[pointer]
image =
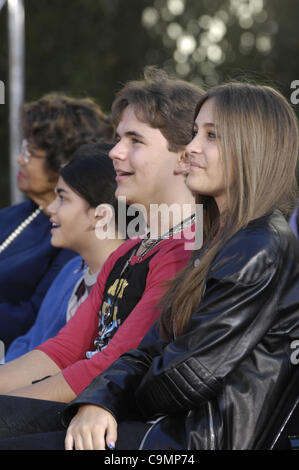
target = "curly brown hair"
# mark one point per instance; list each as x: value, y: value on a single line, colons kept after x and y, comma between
x: 60, y: 124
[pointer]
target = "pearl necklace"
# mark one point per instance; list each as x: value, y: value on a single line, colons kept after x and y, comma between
x: 19, y: 229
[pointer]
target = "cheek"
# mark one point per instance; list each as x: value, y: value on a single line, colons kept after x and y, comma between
x: 37, y: 179
x: 142, y: 160
x: 215, y: 164
x: 34, y: 182
x: 39, y: 176
x: 220, y: 169
x: 63, y: 212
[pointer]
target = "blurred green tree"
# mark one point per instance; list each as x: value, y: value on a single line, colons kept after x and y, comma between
x: 78, y: 47
x: 91, y: 47
x: 210, y: 41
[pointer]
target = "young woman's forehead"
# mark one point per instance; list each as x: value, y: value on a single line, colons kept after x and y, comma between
x: 206, y: 112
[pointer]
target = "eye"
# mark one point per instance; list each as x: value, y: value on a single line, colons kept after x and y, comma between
x: 211, y: 135
x: 135, y: 140
x: 194, y: 133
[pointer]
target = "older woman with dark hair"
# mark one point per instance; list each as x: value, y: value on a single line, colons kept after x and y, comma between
x: 53, y: 128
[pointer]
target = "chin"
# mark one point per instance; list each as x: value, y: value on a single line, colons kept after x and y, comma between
x: 22, y: 187
x: 123, y: 194
x: 55, y: 242
x: 194, y: 184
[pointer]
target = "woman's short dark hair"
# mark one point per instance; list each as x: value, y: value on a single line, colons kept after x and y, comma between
x: 59, y: 124
x: 91, y: 174
x: 163, y: 103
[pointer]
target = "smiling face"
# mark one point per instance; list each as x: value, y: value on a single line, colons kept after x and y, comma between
x: 206, y: 174
x: 71, y: 218
x: 144, y: 166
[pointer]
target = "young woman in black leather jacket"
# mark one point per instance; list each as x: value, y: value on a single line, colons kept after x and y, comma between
x: 211, y: 372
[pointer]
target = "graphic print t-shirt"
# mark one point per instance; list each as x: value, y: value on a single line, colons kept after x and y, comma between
x: 116, y: 306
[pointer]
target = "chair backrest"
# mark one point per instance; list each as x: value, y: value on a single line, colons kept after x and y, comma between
x: 282, y: 431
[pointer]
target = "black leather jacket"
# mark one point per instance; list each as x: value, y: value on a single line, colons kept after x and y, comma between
x: 216, y: 386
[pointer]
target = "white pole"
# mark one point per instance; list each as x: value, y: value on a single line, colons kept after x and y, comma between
x: 16, y: 39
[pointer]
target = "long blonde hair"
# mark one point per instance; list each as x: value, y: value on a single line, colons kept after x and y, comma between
x: 257, y: 134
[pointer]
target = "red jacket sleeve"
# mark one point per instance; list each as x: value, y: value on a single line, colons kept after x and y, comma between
x: 77, y: 336
x: 172, y: 257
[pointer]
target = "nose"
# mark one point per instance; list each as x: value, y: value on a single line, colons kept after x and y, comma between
x: 118, y: 151
x: 184, y: 163
x: 52, y: 207
x: 20, y: 159
x: 193, y: 148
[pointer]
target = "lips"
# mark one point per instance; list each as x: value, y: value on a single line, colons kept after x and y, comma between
x: 196, y: 165
x: 122, y: 174
x: 20, y: 175
x: 54, y: 225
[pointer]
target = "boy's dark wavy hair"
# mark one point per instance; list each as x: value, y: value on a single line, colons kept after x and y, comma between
x: 91, y: 174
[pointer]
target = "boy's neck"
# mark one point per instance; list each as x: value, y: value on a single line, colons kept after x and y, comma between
x: 164, y: 216
x: 98, y: 251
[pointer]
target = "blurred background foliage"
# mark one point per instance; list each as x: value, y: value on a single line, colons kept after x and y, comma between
x: 92, y: 47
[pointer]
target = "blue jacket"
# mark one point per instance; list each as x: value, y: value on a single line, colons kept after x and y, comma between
x: 52, y: 314
x: 27, y: 269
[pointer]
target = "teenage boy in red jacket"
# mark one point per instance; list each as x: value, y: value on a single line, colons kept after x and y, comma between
x: 154, y: 119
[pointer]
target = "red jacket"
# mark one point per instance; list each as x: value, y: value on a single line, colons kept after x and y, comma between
x: 68, y: 349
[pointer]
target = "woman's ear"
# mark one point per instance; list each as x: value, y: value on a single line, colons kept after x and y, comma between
x: 104, y: 221
x: 183, y: 164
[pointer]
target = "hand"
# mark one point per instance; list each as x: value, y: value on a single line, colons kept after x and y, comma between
x: 93, y: 428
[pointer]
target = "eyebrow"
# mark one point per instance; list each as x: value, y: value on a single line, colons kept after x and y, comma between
x: 131, y: 134
x: 206, y: 124
x: 59, y: 190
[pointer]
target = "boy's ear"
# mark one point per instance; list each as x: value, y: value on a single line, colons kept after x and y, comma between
x: 104, y: 223
x: 182, y: 165
x: 103, y: 214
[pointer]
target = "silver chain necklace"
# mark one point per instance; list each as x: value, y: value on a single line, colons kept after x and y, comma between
x: 147, y: 243
x: 19, y: 229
